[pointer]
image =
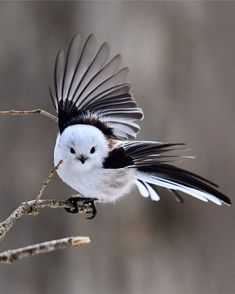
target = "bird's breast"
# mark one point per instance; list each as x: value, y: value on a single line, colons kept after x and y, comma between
x: 105, y: 184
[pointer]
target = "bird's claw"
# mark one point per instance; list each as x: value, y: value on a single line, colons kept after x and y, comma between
x: 92, y: 205
x: 84, y: 201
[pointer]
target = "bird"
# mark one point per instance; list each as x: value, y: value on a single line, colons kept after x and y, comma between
x: 98, y: 120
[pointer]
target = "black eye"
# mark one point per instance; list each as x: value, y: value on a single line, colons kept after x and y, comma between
x: 92, y: 150
x: 72, y: 150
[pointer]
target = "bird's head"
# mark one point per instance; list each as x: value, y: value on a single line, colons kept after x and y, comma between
x: 82, y: 146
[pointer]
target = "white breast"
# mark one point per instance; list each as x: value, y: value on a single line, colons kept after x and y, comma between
x: 105, y: 184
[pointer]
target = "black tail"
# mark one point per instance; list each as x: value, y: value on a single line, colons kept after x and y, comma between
x: 177, y: 179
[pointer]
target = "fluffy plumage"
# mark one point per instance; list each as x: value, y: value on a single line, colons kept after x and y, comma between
x: 97, y: 114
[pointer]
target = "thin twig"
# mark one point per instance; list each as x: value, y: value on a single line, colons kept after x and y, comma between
x: 29, y: 112
x: 28, y: 208
x: 32, y: 207
x: 47, y: 180
x: 10, y: 256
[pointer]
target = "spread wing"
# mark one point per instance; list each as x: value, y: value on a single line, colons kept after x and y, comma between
x: 151, y: 163
x: 90, y: 86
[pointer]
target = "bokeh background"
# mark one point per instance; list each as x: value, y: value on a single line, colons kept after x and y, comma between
x: 182, y: 61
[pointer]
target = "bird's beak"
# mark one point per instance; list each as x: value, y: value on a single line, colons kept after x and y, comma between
x: 82, y: 158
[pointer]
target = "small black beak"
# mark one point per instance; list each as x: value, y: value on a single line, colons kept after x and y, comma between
x: 82, y: 158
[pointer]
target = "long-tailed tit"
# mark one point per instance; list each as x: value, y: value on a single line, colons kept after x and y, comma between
x: 97, y: 118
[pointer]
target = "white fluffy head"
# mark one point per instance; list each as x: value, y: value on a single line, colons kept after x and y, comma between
x: 82, y: 147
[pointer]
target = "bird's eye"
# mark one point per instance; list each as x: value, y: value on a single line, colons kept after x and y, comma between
x: 92, y: 150
x: 72, y: 150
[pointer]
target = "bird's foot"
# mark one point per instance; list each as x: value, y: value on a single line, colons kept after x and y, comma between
x: 84, y: 201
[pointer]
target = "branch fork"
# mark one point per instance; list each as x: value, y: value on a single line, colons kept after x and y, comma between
x: 33, y: 207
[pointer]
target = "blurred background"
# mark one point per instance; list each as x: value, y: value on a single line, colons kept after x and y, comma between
x: 182, y: 61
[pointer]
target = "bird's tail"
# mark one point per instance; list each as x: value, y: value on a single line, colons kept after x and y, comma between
x: 176, y: 180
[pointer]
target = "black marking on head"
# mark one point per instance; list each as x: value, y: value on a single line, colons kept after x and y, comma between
x: 74, y: 118
x: 117, y: 158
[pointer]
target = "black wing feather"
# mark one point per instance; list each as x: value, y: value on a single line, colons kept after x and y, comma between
x: 148, y: 160
x: 172, y: 174
x: 88, y: 86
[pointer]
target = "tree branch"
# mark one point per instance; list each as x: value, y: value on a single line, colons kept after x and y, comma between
x: 29, y: 112
x: 10, y: 256
x: 29, y: 208
x: 32, y: 208
x: 47, y: 180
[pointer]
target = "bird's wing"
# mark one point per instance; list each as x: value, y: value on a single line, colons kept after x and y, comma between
x: 90, y: 85
x: 151, y: 163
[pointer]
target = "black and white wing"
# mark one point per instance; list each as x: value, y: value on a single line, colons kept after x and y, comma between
x: 90, y: 88
x: 151, y: 163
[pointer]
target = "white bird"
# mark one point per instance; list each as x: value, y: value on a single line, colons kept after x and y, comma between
x: 97, y: 117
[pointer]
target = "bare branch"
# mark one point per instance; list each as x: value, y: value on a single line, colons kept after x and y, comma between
x: 32, y: 208
x: 29, y: 112
x: 10, y: 256
x: 47, y: 180
x: 29, y: 208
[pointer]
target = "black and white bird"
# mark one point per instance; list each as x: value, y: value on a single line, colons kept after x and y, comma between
x: 97, y: 117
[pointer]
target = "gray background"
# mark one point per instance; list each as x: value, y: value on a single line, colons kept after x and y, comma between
x: 182, y: 61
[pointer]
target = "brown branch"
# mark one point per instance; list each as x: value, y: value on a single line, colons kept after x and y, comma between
x: 32, y: 208
x: 29, y: 112
x: 10, y: 256
x: 47, y: 180
x: 29, y: 208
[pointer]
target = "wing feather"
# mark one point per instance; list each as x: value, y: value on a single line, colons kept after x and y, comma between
x: 109, y: 94
x: 86, y: 57
x: 150, y: 162
x: 87, y: 84
x: 58, y: 75
x: 142, y: 189
x: 97, y: 83
x: 152, y: 193
x: 71, y: 63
